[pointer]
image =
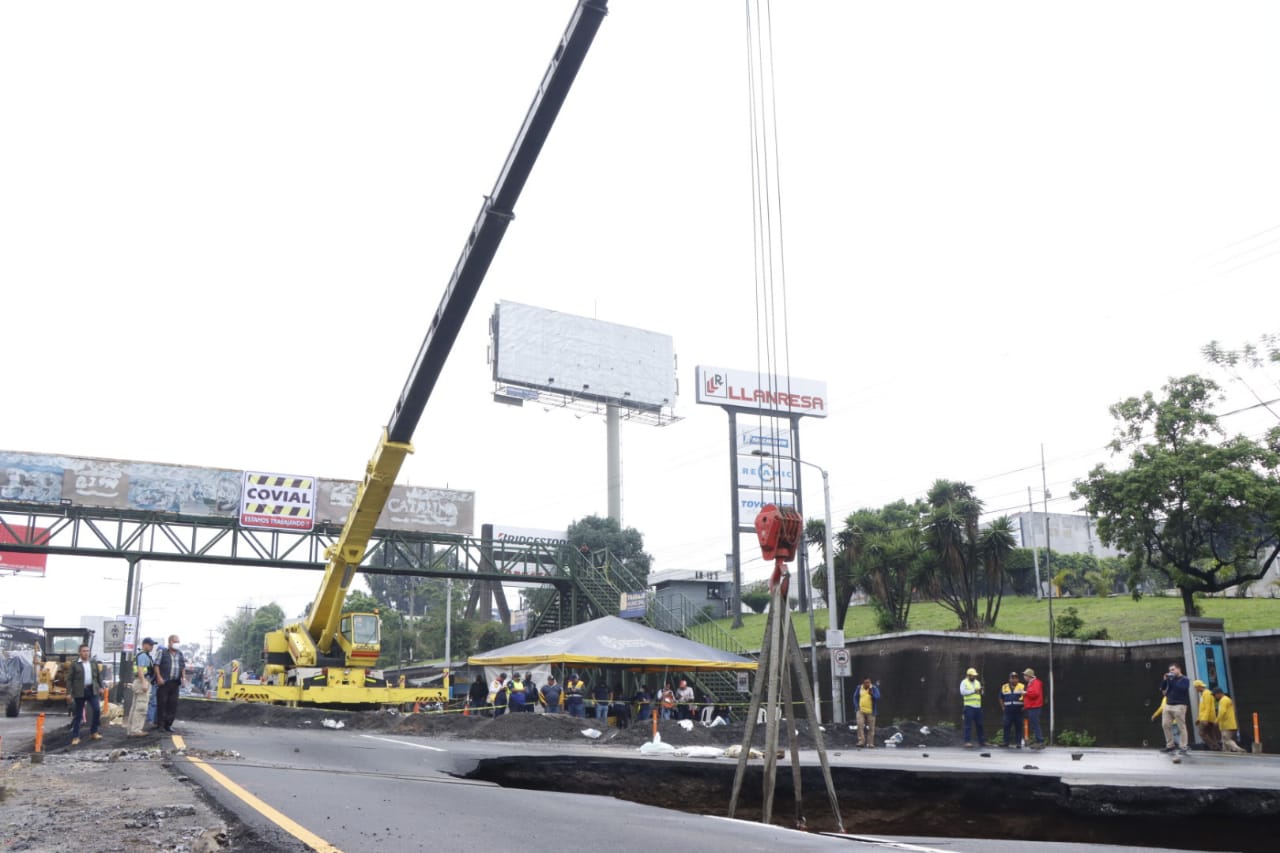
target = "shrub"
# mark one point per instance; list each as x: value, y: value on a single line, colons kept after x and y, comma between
x: 1066, y: 625
x: 1066, y: 737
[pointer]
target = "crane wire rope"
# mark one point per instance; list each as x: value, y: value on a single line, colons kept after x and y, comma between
x: 769, y: 260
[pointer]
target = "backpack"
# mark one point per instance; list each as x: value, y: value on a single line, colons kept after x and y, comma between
x: 145, y: 667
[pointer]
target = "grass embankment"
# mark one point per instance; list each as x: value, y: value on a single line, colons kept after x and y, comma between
x: 1150, y: 618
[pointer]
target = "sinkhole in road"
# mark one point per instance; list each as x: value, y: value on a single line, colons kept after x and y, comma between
x: 906, y: 802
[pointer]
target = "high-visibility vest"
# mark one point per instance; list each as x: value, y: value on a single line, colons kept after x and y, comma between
x: 974, y: 699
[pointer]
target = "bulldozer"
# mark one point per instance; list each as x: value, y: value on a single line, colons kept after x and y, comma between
x: 53, y: 650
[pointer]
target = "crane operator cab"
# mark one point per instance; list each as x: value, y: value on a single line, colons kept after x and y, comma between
x: 360, y: 637
x: 292, y: 657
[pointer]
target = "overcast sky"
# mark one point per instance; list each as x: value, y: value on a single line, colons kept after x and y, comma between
x: 224, y: 228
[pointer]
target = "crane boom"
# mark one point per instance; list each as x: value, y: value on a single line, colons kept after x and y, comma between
x: 310, y: 643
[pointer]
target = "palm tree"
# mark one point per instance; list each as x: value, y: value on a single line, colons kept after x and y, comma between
x: 952, y: 535
x: 888, y: 565
x: 995, y: 544
x: 845, y: 547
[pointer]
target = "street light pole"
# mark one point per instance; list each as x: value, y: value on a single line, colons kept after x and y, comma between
x: 837, y: 688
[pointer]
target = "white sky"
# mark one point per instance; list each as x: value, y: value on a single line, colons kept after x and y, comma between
x: 223, y: 228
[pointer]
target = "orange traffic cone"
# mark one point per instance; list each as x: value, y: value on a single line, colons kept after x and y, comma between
x: 466, y: 709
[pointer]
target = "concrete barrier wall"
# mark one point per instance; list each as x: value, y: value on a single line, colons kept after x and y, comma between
x: 1107, y: 688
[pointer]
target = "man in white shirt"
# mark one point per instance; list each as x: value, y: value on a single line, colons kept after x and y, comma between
x: 84, y: 686
x: 684, y: 696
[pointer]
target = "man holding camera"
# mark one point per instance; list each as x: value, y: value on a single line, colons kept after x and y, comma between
x: 1176, y: 688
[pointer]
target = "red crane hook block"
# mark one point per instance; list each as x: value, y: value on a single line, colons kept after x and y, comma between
x: 778, y: 529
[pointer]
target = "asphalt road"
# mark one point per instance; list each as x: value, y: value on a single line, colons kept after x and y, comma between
x: 362, y: 791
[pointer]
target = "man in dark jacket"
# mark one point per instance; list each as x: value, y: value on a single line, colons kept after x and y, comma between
x: 551, y: 695
x: 84, y: 686
x: 1176, y: 688
x: 1012, y: 695
x: 478, y: 695
x: 170, y: 669
x: 601, y: 694
x: 530, y: 693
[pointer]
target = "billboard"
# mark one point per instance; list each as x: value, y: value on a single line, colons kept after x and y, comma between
x: 749, y: 391
x: 39, y: 478
x: 414, y: 509
x: 751, y: 501
x: 278, y: 502
x: 767, y: 474
x: 581, y: 357
x: 773, y: 439
x: 504, y: 534
x: 15, y: 561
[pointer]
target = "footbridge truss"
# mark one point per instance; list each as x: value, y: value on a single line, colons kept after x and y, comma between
x: 135, y: 536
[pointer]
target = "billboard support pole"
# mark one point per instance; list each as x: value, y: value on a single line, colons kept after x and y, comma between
x: 614, y: 462
x: 736, y: 538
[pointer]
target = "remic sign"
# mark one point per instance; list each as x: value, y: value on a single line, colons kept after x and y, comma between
x: 753, y: 392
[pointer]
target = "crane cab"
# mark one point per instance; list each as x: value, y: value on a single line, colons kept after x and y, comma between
x: 360, y: 636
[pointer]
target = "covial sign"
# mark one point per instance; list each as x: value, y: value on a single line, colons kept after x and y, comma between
x: 278, y: 502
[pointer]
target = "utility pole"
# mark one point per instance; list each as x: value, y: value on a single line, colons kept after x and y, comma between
x: 1035, y: 550
x: 247, y: 609
x: 1048, y: 572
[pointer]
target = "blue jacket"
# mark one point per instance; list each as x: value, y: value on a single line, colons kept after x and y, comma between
x: 1177, y: 691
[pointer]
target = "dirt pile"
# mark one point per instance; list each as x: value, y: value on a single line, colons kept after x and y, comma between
x: 546, y: 728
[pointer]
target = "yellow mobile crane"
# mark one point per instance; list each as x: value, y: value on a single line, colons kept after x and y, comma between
x: 329, y: 657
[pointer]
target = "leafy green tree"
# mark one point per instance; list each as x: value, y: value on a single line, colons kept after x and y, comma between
x: 964, y: 557
x: 243, y: 633
x: 431, y: 627
x: 492, y: 635
x: 815, y: 533
x: 756, y: 596
x: 887, y: 554
x: 605, y: 538
x: 1021, y: 569
x: 1199, y: 508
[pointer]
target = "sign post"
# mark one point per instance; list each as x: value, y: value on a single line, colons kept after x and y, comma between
x: 113, y: 631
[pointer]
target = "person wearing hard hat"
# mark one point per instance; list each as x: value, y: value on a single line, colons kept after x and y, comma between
x: 1227, y: 725
x: 1011, y: 698
x: 1207, y: 717
x: 971, y: 696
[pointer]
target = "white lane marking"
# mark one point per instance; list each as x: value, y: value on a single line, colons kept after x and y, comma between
x: 405, y: 743
x: 868, y: 839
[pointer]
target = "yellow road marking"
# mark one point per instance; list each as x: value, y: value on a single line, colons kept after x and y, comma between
x: 280, y: 819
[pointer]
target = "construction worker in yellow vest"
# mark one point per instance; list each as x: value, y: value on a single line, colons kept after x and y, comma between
x: 971, y: 695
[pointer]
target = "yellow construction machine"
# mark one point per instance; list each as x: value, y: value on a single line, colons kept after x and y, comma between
x: 329, y: 657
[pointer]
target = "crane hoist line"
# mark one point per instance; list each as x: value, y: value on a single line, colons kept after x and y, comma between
x: 328, y: 657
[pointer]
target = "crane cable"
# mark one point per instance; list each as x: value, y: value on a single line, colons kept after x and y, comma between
x: 769, y: 263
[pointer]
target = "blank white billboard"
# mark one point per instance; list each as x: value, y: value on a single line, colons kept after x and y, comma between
x: 581, y: 357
